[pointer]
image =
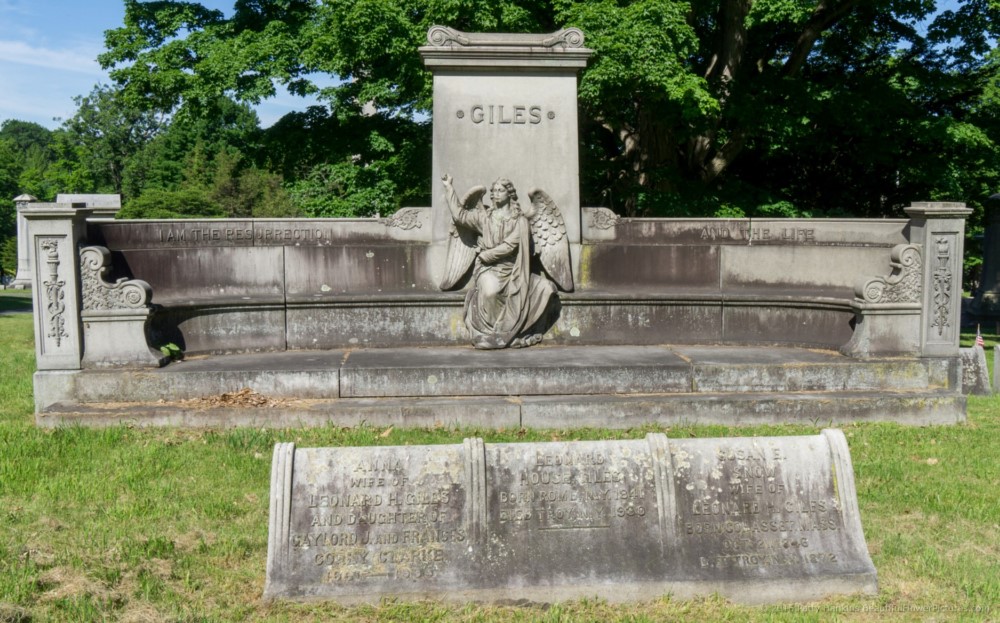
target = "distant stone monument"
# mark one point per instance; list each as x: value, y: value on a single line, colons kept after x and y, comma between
x: 975, y: 374
x: 102, y: 206
x: 22, y: 278
x: 986, y: 301
x: 757, y: 520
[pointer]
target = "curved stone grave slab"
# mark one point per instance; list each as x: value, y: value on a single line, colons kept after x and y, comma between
x: 763, y: 519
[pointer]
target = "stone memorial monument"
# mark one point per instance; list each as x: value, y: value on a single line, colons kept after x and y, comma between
x: 644, y: 320
x: 757, y: 520
x: 986, y: 299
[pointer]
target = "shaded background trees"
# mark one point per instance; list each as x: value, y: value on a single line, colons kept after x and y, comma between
x: 716, y: 108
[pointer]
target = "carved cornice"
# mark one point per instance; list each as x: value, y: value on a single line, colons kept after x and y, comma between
x: 439, y: 36
x: 449, y: 49
x: 902, y: 285
x: 443, y: 36
x: 99, y: 294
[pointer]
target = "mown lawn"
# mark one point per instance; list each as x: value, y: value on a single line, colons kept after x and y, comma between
x: 138, y: 525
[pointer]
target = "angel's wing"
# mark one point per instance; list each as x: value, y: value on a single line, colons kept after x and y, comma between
x: 548, y: 230
x: 462, y: 242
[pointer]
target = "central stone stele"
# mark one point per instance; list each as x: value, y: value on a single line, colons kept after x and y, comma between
x: 505, y: 117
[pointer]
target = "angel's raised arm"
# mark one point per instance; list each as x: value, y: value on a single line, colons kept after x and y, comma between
x: 451, y: 197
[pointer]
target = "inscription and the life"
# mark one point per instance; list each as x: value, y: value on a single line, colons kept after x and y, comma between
x: 762, y: 234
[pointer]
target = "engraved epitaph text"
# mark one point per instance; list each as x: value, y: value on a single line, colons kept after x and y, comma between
x: 630, y: 519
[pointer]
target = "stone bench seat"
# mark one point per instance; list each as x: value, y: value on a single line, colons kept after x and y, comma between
x: 268, y: 322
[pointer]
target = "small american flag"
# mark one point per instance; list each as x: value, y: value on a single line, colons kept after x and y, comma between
x: 979, y: 338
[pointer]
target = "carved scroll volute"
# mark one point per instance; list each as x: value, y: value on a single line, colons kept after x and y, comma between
x: 444, y: 36
x: 100, y: 294
x: 902, y: 285
x: 569, y: 37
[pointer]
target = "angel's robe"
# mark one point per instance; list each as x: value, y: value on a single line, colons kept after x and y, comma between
x: 506, y: 299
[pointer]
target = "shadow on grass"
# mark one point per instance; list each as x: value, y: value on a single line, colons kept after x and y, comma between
x: 15, y: 300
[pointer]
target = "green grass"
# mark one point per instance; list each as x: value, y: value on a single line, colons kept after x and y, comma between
x: 138, y: 525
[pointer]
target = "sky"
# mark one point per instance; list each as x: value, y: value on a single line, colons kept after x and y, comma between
x: 48, y: 52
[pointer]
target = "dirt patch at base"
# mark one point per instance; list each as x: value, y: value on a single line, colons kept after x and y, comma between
x: 245, y: 397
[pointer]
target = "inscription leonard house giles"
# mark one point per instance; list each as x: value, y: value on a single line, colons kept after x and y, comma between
x: 754, y: 519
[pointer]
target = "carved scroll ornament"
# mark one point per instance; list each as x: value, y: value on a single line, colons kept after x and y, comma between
x: 902, y: 285
x: 603, y: 218
x: 100, y: 294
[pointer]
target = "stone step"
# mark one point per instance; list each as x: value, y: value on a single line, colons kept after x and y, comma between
x: 539, y: 371
x: 921, y: 407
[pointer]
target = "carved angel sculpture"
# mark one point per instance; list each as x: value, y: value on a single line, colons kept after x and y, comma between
x: 510, y: 294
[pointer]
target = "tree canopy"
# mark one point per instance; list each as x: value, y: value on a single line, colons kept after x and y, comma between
x: 723, y: 107
x: 728, y: 106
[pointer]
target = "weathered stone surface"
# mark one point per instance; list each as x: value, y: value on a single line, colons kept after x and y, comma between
x: 754, y: 519
x: 620, y: 386
x: 113, y: 201
x: 452, y: 372
x: 374, y: 282
x: 600, y: 225
x: 54, y: 232
x: 975, y: 374
x: 996, y: 369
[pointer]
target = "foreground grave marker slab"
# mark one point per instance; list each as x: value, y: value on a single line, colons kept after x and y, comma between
x: 755, y: 519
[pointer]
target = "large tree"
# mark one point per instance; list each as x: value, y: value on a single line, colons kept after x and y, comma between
x: 725, y: 106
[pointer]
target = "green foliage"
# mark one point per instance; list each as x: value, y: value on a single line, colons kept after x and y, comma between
x: 172, y: 350
x: 765, y: 108
x: 181, y: 203
x: 344, y: 189
x: 10, y: 168
x: 245, y: 192
x: 8, y: 256
x: 105, y: 133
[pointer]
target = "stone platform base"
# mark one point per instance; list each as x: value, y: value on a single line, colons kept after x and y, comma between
x: 542, y: 387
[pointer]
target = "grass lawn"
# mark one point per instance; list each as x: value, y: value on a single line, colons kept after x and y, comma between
x: 138, y: 525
